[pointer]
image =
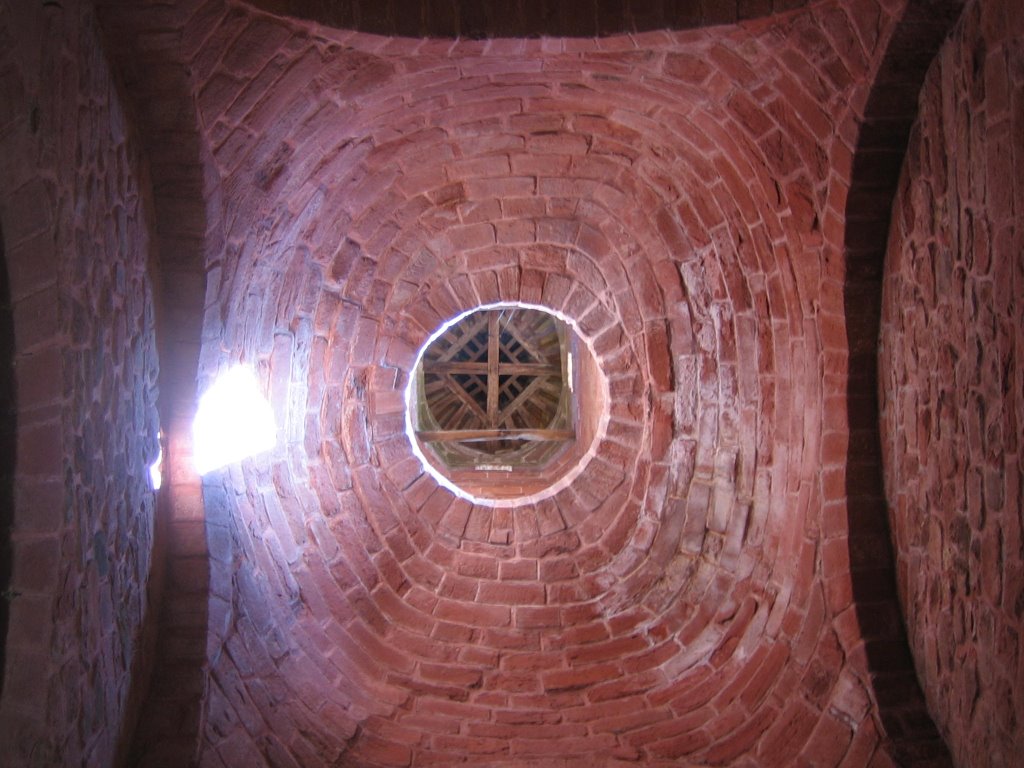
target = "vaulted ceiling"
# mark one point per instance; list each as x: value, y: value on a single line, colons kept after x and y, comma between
x: 703, y: 190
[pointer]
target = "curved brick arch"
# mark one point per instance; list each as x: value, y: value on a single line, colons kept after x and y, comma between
x: 678, y: 188
x: 29, y: 271
x: 150, y: 44
x: 889, y: 112
x: 8, y: 448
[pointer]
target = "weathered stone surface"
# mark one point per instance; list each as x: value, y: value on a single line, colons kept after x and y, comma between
x: 77, y: 251
x: 953, y: 392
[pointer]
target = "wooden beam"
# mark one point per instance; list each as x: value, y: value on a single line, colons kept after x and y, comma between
x: 493, y: 360
x: 507, y: 369
x: 481, y: 435
x: 467, y: 335
x: 527, y: 392
x: 527, y: 344
x: 457, y: 390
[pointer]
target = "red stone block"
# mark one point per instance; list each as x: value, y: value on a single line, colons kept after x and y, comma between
x: 473, y: 614
x: 31, y: 263
x: 607, y: 651
x: 36, y: 319
x: 38, y: 507
x: 518, y: 570
x: 785, y: 738
x: 751, y: 116
x: 658, y: 360
x: 461, y: 676
x: 515, y: 232
x: 30, y: 213
x: 689, y: 68
x: 381, y: 752
x: 511, y: 594
x: 36, y: 566
x: 531, y: 286
x: 529, y: 617
x: 400, y: 613
x: 576, y: 679
x: 743, y: 739
x: 679, y: 746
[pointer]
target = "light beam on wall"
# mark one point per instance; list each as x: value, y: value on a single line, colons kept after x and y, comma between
x: 234, y: 421
x: 156, y: 471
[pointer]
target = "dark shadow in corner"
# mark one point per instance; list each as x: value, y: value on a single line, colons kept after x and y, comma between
x: 474, y: 20
x: 8, y: 446
x: 878, y: 159
x: 165, y: 715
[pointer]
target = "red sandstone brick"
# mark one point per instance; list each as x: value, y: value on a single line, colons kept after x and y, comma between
x: 625, y: 687
x: 518, y: 570
x: 511, y: 594
x: 464, y: 745
x: 375, y: 749
x: 537, y: 747
x: 583, y: 677
x: 787, y: 735
x: 36, y: 319
x: 527, y: 617
x: 765, y: 675
x: 460, y: 676
x: 828, y: 743
x: 36, y: 565
x: 32, y: 262
x: 863, y: 746
x: 473, y: 614
x: 31, y: 212
x: 743, y: 739
x: 687, y: 67
x: 515, y: 231
x: 680, y: 745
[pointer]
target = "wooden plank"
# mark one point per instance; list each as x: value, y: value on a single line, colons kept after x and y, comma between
x: 493, y: 361
x: 527, y: 343
x: 466, y: 396
x: 478, y: 325
x: 456, y: 389
x: 507, y: 369
x: 527, y: 392
x: 481, y: 435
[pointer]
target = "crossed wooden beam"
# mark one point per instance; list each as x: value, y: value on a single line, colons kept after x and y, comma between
x: 472, y: 409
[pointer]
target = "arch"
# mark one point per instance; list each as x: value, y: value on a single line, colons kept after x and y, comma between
x: 889, y: 114
x: 8, y: 446
x: 29, y: 489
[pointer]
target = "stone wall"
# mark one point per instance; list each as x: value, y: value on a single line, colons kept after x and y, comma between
x: 952, y: 386
x: 76, y: 243
x: 8, y: 440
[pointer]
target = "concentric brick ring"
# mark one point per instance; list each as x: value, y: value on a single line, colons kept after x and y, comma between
x: 524, y: 477
x: 663, y: 604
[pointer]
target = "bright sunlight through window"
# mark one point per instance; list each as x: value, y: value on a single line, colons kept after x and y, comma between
x: 234, y: 421
x: 156, y: 471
